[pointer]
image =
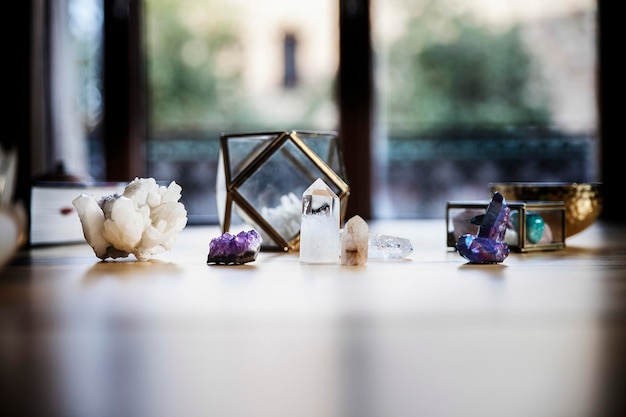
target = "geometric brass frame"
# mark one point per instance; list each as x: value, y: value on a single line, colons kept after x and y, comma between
x: 236, y: 177
x: 557, y: 208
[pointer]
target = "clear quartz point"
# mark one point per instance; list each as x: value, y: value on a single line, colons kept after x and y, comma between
x: 319, y: 226
x: 388, y: 247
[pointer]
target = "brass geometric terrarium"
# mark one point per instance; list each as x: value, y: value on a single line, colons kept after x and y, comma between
x: 261, y: 177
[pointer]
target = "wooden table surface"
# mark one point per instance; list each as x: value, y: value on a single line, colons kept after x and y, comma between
x: 541, y: 335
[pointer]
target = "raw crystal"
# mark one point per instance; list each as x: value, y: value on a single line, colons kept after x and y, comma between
x: 229, y: 249
x: 320, y: 225
x: 489, y: 245
x: 354, y: 242
x: 535, y: 226
x: 144, y: 220
x: 388, y: 247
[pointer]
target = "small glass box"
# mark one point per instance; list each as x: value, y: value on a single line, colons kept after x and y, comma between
x: 261, y: 177
x: 533, y: 226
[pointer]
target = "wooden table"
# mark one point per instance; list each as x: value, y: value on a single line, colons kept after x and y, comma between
x: 541, y: 335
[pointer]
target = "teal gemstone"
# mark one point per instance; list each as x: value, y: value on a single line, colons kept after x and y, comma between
x: 534, y: 226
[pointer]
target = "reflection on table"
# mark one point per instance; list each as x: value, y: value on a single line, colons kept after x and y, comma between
x: 542, y: 334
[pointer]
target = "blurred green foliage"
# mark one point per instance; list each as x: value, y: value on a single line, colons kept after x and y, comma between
x: 193, y: 68
x: 443, y: 71
x: 447, y: 71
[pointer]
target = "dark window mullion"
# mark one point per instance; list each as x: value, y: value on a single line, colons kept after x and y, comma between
x: 355, y: 102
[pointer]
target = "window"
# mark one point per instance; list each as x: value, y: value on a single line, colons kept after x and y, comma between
x: 85, y: 18
x: 244, y: 65
x: 464, y: 93
x: 483, y: 91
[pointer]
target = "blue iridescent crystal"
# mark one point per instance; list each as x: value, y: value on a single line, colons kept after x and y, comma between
x: 488, y: 247
x: 229, y: 249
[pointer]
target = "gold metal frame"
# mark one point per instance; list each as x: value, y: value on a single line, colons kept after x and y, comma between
x: 236, y: 177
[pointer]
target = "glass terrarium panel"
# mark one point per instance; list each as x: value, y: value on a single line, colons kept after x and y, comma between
x: 268, y: 172
x: 298, y: 161
x: 531, y: 227
x: 240, y: 221
x: 543, y: 226
x: 243, y: 150
x: 327, y: 147
x: 275, y: 188
x: 220, y: 188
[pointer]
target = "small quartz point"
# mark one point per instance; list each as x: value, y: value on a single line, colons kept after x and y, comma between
x: 388, y: 247
x: 354, y: 242
x: 229, y: 249
x: 489, y: 246
x: 320, y: 225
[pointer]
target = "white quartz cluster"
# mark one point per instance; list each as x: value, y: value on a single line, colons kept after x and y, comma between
x: 143, y: 221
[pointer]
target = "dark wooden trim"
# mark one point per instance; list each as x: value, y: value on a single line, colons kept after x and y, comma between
x: 124, y: 124
x: 610, y: 99
x: 18, y: 129
x: 355, y: 102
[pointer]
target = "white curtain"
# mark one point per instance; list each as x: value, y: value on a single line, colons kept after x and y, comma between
x: 58, y: 135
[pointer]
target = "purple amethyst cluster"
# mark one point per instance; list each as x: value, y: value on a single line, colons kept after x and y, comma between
x: 229, y: 249
x: 488, y: 247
